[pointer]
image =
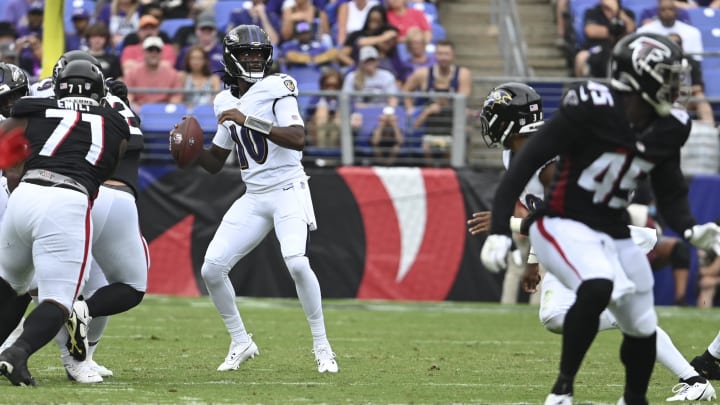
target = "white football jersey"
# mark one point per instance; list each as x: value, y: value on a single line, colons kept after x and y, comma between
x: 534, y: 186
x: 265, y: 165
x: 43, y: 88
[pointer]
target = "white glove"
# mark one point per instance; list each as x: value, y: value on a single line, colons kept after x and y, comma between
x: 494, y: 252
x: 705, y: 236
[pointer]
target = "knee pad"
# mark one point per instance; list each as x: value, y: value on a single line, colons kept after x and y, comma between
x: 213, y: 273
x: 645, y: 325
x: 680, y: 256
x: 553, y: 323
x: 297, y: 265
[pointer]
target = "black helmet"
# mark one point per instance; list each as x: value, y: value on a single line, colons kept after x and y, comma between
x: 13, y: 85
x: 80, y: 79
x: 238, y: 44
x: 651, y: 65
x: 510, y: 108
x: 70, y: 56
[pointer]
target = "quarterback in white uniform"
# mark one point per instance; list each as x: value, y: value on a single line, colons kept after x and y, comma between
x: 504, y: 111
x: 258, y: 117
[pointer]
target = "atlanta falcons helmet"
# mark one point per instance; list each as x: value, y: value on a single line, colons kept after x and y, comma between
x: 70, y: 56
x: 651, y: 65
x: 508, y: 109
x: 80, y: 79
x: 247, y: 53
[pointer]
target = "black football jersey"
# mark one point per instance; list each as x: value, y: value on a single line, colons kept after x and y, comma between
x: 78, y: 141
x: 601, y: 159
x: 127, y: 170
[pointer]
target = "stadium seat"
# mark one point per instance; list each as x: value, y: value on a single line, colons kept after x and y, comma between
x: 438, y: 32
x: 308, y: 80
x: 551, y: 93
x: 370, y: 117
x: 637, y: 6
x: 160, y: 117
x: 429, y: 9
x: 704, y: 18
x: 205, y: 115
x: 170, y: 27
x: 223, y: 10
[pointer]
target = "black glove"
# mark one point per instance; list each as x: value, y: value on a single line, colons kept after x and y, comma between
x: 118, y: 89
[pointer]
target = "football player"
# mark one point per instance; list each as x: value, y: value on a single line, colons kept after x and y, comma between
x: 606, y: 139
x: 75, y: 145
x: 515, y: 111
x: 258, y: 116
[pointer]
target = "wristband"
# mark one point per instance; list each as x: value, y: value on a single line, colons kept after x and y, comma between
x: 532, y: 259
x: 515, y: 224
x: 258, y: 124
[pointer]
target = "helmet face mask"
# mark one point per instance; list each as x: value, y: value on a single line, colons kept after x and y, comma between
x: 247, y: 53
x: 510, y: 108
x: 13, y: 85
x: 652, y: 66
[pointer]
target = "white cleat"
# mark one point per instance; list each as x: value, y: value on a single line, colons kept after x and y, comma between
x: 555, y: 399
x: 325, y: 359
x: 77, y: 326
x: 100, y: 369
x: 238, y: 354
x: 700, y: 391
x: 81, y: 371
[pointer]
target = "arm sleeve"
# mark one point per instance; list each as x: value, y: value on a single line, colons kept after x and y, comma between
x: 222, y: 138
x: 552, y: 139
x: 287, y: 112
x: 671, y: 192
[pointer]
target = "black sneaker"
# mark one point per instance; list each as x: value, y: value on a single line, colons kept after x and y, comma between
x: 707, y: 366
x: 13, y: 365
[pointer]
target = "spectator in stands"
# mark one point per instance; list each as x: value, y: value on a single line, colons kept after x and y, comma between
x: 153, y: 74
x: 324, y: 122
x: 304, y: 10
x: 173, y: 9
x: 133, y: 55
x: 650, y: 14
x: 368, y: 77
x: 390, y: 59
x: 16, y: 11
x: 196, y: 76
x: 34, y: 23
x: 387, y: 137
x: 121, y: 17
x: 667, y: 23
x: 417, y: 55
x: 376, y: 30
x: 257, y: 14
x: 699, y: 103
x: 561, y: 11
x: 433, y: 117
x: 30, y: 55
x: 403, y: 18
x: 303, y: 50
x: 8, y: 53
x: 150, y: 20
x: 603, y: 25
x: 98, y: 40
x: 81, y: 22
x: 351, y: 16
x: 206, y: 37
x: 709, y: 278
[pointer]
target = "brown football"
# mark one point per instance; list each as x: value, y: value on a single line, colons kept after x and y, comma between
x: 186, y: 141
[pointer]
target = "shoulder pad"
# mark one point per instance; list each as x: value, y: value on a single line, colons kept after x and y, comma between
x: 590, y: 94
x: 43, y: 88
x: 280, y: 85
x: 30, y: 105
x: 224, y: 101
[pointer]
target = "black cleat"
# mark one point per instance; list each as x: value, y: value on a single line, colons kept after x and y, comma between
x: 77, y: 326
x: 707, y: 366
x: 13, y: 365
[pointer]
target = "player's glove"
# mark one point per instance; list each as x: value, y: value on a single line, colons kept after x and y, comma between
x: 494, y: 252
x: 119, y: 89
x: 14, y: 148
x: 705, y: 236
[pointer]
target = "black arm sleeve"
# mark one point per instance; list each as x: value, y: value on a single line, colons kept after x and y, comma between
x: 552, y: 139
x: 671, y: 192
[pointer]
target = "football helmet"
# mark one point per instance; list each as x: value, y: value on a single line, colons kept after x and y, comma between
x: 82, y: 81
x: 70, y: 56
x: 247, y: 53
x: 13, y: 85
x: 651, y: 65
x: 510, y: 108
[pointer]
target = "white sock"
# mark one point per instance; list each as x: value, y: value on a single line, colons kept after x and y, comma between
x: 669, y: 356
x: 714, y: 347
x: 222, y: 294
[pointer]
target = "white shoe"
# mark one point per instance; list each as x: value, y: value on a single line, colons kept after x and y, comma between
x: 102, y: 370
x: 81, y: 371
x: 325, y: 359
x: 554, y: 399
x: 77, y: 326
x: 238, y: 353
x: 700, y: 391
x: 13, y: 336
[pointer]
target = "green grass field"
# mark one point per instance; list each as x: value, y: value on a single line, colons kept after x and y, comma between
x: 166, y: 351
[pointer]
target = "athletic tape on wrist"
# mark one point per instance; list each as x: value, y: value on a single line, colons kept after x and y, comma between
x: 258, y: 124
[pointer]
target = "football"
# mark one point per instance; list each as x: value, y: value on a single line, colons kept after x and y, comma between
x: 186, y: 141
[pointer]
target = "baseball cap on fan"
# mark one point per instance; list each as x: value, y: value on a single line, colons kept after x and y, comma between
x: 153, y: 41
x: 206, y: 19
x: 368, y: 52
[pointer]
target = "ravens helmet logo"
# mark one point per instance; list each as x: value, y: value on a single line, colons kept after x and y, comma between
x: 497, y: 97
